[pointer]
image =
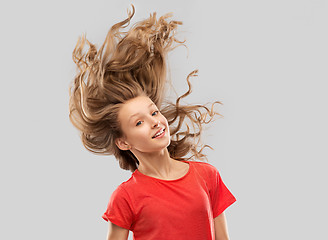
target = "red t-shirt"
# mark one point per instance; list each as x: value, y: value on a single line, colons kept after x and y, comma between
x: 184, y: 208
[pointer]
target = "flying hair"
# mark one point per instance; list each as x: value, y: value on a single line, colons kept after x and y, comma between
x: 127, y: 65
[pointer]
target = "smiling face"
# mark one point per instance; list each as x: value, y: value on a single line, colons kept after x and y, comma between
x: 140, y: 120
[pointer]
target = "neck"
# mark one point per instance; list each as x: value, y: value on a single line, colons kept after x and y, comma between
x: 156, y: 164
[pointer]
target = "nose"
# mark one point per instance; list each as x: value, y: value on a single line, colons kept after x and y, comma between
x: 157, y: 124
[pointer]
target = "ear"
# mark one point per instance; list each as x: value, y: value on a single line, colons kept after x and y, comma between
x: 122, y: 144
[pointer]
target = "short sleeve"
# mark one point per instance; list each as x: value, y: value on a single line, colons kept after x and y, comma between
x: 221, y: 197
x: 119, y: 209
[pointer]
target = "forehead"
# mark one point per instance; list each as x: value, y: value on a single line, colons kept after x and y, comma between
x: 137, y: 101
x: 135, y: 106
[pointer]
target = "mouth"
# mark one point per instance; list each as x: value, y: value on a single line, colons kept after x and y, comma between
x: 160, y: 133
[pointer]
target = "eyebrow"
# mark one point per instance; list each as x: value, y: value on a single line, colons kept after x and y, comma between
x: 139, y: 113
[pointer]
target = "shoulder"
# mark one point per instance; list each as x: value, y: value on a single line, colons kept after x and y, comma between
x: 126, y: 187
x: 122, y: 197
x: 205, y: 170
x: 205, y: 167
x: 120, y: 192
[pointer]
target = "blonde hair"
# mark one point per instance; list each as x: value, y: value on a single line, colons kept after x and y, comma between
x: 127, y: 65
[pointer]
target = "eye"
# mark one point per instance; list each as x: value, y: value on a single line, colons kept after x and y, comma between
x: 152, y: 115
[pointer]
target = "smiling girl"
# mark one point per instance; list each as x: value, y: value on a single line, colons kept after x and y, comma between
x: 117, y: 101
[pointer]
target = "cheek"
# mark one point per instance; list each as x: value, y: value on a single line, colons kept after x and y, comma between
x: 130, y: 133
x: 164, y: 120
x: 140, y: 132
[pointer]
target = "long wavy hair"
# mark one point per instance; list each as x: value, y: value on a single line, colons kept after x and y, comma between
x: 127, y: 65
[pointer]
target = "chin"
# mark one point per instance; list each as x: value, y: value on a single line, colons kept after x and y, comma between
x: 169, y: 142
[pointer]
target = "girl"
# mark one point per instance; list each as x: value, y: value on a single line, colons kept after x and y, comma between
x: 117, y: 101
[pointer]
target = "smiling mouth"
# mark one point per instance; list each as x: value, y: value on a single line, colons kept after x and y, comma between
x: 157, y: 135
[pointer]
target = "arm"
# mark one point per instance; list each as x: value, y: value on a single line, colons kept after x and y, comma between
x: 116, y: 232
x: 221, y: 228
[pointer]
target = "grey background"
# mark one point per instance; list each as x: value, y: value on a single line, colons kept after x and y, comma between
x: 265, y: 60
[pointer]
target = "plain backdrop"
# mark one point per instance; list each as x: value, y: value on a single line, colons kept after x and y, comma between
x: 266, y: 61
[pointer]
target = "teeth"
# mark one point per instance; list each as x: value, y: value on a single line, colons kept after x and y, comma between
x: 159, y: 133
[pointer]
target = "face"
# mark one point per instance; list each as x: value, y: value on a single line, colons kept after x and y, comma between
x: 140, y: 120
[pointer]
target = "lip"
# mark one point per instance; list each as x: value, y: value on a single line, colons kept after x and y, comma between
x: 159, y: 131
